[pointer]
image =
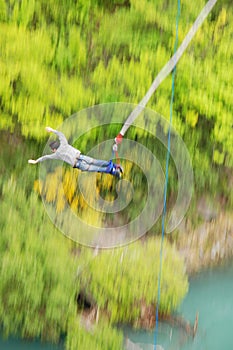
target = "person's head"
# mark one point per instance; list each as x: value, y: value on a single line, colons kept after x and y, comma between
x: 54, y: 145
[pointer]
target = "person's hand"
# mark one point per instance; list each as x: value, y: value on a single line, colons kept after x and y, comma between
x: 49, y: 129
x: 32, y: 161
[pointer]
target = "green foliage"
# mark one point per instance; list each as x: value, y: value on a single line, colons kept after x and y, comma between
x: 101, y: 336
x: 40, y: 279
x: 59, y: 57
x: 31, y: 92
x: 56, y: 58
x: 37, y: 272
x: 122, y: 280
x: 67, y: 52
x: 3, y: 10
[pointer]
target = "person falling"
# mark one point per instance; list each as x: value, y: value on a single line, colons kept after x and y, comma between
x: 63, y: 151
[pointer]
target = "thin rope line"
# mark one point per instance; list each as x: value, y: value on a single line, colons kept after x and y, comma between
x: 166, y: 182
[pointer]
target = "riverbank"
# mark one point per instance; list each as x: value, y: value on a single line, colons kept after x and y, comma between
x: 209, y: 244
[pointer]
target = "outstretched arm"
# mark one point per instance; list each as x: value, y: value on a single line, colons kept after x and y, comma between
x: 62, y: 140
x: 41, y: 159
x: 61, y: 136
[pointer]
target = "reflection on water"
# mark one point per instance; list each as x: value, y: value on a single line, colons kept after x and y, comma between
x: 210, y: 294
x: 129, y: 345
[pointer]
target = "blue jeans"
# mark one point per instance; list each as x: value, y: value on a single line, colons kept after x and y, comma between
x: 86, y: 163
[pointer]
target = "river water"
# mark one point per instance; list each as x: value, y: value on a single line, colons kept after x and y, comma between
x: 210, y: 294
x: 17, y: 344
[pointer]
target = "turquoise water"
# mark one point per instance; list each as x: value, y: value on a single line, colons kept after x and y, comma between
x: 16, y: 344
x: 210, y: 294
